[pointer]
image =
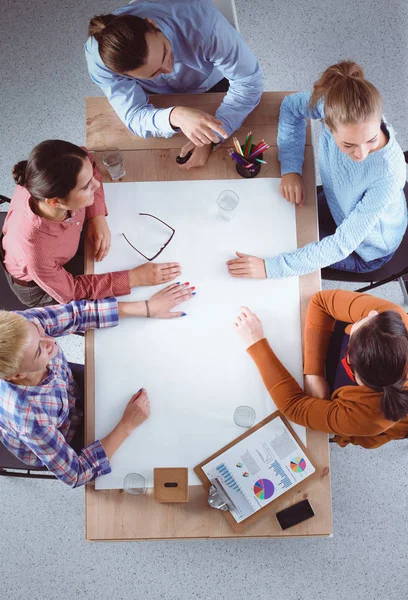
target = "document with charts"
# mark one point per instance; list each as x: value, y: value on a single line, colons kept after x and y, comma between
x: 259, y: 468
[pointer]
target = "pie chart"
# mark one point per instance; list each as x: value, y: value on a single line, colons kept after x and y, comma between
x: 298, y: 464
x: 264, y: 489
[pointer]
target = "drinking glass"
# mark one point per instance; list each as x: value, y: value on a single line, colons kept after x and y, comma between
x: 112, y: 158
x: 244, y: 416
x: 134, y: 484
x: 227, y: 201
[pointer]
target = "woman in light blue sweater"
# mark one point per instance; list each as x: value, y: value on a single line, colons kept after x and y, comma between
x: 362, y: 209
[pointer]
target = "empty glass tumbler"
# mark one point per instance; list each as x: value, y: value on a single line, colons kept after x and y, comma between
x: 244, y: 416
x: 227, y: 202
x: 134, y: 484
x: 112, y: 158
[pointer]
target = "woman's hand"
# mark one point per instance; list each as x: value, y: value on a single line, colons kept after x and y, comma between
x: 198, y: 157
x: 200, y: 127
x: 154, y: 273
x: 98, y: 233
x: 249, y: 327
x: 292, y: 188
x: 136, y: 412
x: 160, y: 304
x: 247, y: 266
x: 317, y: 387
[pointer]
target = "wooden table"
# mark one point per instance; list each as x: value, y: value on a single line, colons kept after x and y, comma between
x: 113, y: 514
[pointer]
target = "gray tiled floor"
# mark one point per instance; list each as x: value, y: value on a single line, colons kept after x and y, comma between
x: 42, y: 551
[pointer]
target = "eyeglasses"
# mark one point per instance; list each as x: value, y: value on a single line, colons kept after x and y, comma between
x: 164, y: 245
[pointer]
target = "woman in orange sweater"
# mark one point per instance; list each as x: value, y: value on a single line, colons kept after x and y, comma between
x: 367, y: 404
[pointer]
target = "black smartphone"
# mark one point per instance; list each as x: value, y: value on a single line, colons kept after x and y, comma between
x: 295, y: 514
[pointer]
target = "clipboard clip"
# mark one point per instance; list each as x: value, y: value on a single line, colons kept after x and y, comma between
x: 218, y: 497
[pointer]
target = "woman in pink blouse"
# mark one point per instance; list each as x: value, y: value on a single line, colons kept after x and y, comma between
x: 58, y: 189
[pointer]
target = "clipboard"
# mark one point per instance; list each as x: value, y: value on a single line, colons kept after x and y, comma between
x: 198, y: 470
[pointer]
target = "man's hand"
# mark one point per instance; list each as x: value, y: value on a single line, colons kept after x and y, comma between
x: 200, y: 127
x: 317, y: 387
x: 247, y: 266
x: 292, y: 188
x: 198, y: 158
x: 249, y: 327
x: 98, y: 233
x: 154, y: 273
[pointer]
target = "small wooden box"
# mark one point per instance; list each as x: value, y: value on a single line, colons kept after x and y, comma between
x: 171, y: 484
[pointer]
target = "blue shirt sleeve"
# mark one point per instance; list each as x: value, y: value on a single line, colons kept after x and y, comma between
x: 347, y: 237
x: 292, y: 130
x: 221, y: 46
x: 228, y: 52
x: 79, y: 315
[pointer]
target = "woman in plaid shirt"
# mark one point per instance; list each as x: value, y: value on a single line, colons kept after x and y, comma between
x: 39, y: 398
x: 58, y: 189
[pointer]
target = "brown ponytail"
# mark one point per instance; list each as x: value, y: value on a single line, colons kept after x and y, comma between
x: 378, y: 354
x: 121, y: 40
x: 19, y: 172
x: 348, y: 97
x: 97, y: 24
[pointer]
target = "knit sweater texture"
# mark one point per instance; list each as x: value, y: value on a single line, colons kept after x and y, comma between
x: 366, y: 199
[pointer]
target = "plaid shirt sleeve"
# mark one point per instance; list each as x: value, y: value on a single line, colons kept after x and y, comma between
x: 79, y: 315
x: 48, y: 443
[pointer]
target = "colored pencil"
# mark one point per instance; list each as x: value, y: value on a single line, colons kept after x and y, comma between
x: 240, y: 159
x: 239, y: 147
x: 261, y: 143
x: 257, y: 152
x: 246, y: 155
x: 259, y: 146
x: 236, y: 145
x: 248, y: 144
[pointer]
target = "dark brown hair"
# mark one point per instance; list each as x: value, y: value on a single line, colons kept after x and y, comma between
x: 51, y: 170
x: 378, y: 354
x: 121, y: 40
x: 348, y: 96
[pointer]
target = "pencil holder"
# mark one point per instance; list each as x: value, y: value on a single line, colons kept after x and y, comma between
x: 252, y: 171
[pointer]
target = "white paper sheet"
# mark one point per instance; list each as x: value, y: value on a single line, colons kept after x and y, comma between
x: 195, y: 369
x: 260, y: 468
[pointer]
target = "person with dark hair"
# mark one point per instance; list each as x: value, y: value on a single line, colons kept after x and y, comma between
x: 362, y: 207
x: 366, y: 402
x: 178, y: 47
x: 58, y: 189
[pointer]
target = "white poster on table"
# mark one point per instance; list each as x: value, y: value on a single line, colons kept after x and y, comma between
x: 195, y: 368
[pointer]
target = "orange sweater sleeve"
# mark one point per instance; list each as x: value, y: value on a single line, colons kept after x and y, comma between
x: 343, y: 416
x: 325, y: 308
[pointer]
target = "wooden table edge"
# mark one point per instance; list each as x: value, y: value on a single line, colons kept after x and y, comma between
x: 312, y: 282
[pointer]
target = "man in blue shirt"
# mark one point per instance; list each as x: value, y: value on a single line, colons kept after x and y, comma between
x: 173, y: 48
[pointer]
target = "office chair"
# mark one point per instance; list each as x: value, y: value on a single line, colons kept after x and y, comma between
x: 10, y: 466
x: 393, y: 270
x: 8, y: 300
